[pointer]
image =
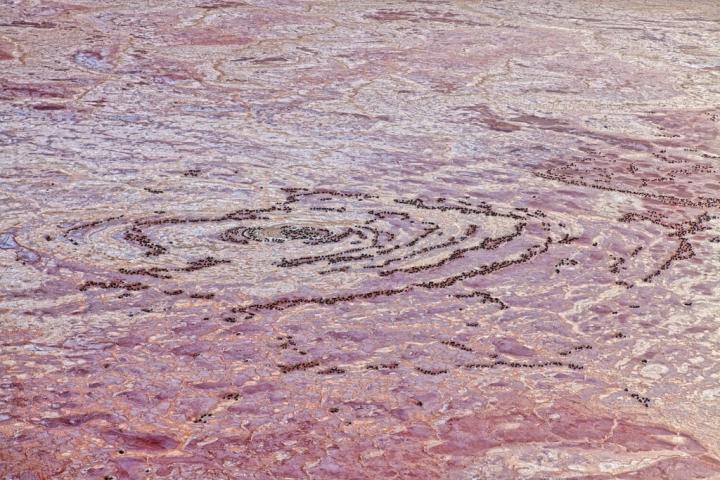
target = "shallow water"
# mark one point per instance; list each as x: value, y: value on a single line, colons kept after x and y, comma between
x: 330, y: 240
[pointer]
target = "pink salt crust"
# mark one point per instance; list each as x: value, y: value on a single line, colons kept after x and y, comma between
x: 359, y: 239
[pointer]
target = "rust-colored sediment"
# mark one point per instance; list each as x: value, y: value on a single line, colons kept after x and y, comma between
x: 359, y: 240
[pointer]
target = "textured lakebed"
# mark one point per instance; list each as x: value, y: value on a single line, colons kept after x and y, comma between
x: 349, y: 240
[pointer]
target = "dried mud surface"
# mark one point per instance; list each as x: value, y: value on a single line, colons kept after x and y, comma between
x: 359, y: 240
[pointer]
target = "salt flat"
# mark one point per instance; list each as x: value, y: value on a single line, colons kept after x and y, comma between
x: 359, y: 240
